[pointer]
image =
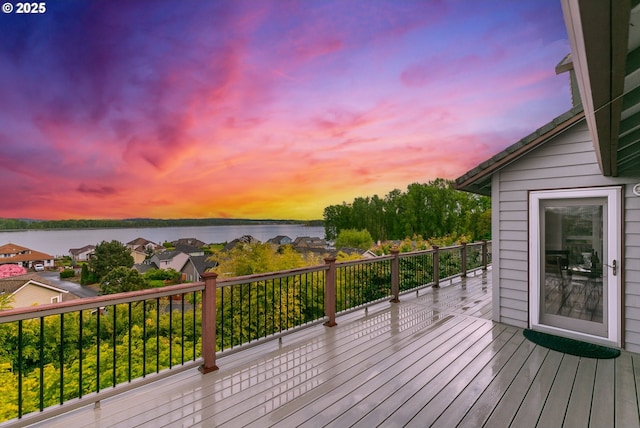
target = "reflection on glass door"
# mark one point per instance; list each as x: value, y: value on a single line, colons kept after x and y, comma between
x: 574, y: 244
x: 573, y: 292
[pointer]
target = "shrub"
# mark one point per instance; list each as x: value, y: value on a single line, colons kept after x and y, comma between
x: 67, y: 273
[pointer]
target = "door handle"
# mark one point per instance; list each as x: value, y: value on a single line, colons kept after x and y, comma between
x: 613, y: 266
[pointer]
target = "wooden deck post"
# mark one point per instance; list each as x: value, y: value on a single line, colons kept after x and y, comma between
x: 484, y: 254
x: 330, y: 292
x: 463, y: 259
x: 395, y: 276
x: 209, y: 323
x: 436, y: 267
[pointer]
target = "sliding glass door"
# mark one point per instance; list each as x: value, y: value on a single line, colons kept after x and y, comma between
x: 574, y: 245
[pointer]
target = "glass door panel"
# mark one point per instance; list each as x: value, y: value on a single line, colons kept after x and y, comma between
x: 573, y: 291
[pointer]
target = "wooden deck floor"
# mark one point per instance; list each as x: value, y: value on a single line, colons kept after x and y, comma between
x: 433, y: 360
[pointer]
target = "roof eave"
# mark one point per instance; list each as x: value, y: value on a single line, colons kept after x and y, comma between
x: 599, y: 53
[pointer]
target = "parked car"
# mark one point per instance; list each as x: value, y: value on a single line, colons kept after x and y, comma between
x: 38, y: 267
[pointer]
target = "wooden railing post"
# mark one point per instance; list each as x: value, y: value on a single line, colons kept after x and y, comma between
x: 484, y: 254
x: 395, y: 276
x: 463, y: 259
x: 330, y: 292
x: 436, y: 267
x: 209, y: 323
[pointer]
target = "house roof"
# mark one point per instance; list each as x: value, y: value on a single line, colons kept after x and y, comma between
x: 76, y: 251
x: 21, y: 254
x: 202, y: 263
x: 189, y: 241
x: 605, y: 47
x: 168, y: 255
x: 478, y: 179
x: 13, y: 283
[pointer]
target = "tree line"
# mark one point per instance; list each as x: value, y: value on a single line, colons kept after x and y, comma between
x: 22, y: 224
x: 434, y: 209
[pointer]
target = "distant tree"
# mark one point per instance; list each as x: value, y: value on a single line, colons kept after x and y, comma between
x: 122, y: 279
x: 247, y: 259
x: 108, y: 256
x: 352, y: 238
x: 434, y: 209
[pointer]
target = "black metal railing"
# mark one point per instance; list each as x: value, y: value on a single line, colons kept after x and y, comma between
x: 60, y: 356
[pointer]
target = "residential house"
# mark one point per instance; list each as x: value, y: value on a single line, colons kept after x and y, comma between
x: 82, y: 254
x: 23, y: 256
x: 193, y: 242
x: 311, y: 244
x: 245, y: 239
x: 566, y: 198
x: 30, y: 289
x: 138, y: 254
x: 280, y: 240
x: 141, y: 248
x: 169, y: 260
x: 197, y: 265
x: 143, y: 245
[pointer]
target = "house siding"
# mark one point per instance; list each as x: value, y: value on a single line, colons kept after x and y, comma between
x: 565, y: 161
x: 32, y: 295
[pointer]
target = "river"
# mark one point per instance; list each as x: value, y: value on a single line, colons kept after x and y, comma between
x: 58, y: 242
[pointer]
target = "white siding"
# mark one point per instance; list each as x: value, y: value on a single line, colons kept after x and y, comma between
x: 566, y: 161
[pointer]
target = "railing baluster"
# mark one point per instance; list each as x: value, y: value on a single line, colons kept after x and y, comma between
x: 41, y: 364
x: 20, y: 363
x: 170, y: 331
x: 98, y: 349
x: 182, y: 328
x: 61, y: 358
x: 114, y: 345
x: 157, y: 335
x: 129, y: 356
x: 144, y: 338
x: 80, y: 324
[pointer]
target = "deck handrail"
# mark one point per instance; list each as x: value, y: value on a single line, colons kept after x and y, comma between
x: 253, y: 302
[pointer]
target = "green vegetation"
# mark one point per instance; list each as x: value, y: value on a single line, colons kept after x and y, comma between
x: 434, y: 209
x: 248, y: 259
x: 352, y: 238
x: 108, y: 256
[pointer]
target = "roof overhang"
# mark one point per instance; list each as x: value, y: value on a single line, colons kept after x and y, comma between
x: 605, y: 40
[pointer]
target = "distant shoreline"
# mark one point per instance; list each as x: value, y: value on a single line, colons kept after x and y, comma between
x: 16, y: 225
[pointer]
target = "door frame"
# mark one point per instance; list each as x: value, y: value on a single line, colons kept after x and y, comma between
x: 614, y: 233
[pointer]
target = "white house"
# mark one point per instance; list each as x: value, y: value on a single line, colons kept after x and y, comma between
x: 566, y: 199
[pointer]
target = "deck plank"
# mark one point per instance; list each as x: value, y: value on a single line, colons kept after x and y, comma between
x: 509, y: 356
x: 538, y: 393
x: 603, y: 403
x: 417, y: 380
x: 555, y: 407
x: 579, y: 408
x: 508, y: 382
x: 332, y: 403
x: 626, y: 397
x: 441, y: 399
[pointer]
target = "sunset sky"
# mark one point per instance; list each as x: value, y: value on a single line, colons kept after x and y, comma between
x: 262, y: 109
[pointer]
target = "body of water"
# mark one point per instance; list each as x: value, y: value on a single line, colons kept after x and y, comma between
x: 58, y: 242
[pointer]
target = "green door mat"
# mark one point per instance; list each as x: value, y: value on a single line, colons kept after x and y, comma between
x: 570, y: 346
